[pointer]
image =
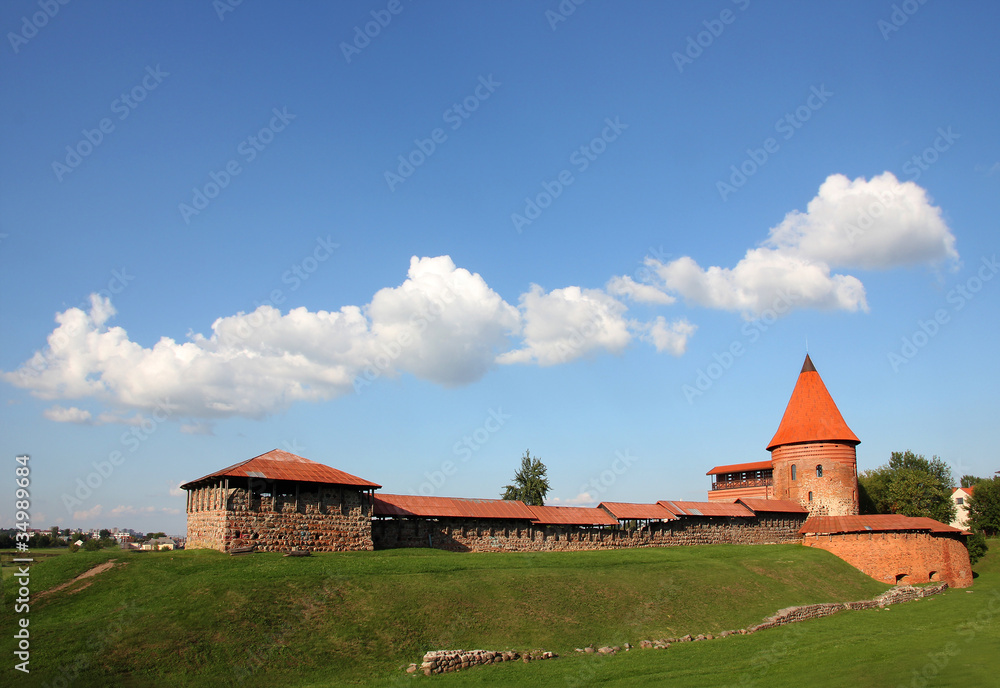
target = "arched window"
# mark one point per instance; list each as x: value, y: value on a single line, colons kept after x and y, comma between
x: 793, y: 471
x: 810, y: 496
x: 819, y: 470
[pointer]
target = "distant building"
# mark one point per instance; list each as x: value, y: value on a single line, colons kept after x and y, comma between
x: 960, y: 497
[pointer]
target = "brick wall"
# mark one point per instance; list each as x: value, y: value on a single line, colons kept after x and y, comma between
x: 901, y: 557
x: 833, y: 494
x: 468, y: 535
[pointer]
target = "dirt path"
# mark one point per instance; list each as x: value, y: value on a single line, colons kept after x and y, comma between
x: 100, y: 568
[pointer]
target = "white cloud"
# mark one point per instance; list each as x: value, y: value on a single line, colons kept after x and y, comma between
x: 882, y: 223
x: 198, y: 428
x: 637, y: 291
x: 72, y: 414
x: 443, y: 324
x: 125, y: 510
x: 90, y: 513
x: 669, y: 337
x: 174, y: 489
x: 565, y: 324
x: 582, y: 499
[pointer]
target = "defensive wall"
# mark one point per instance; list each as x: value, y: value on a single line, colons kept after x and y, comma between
x: 500, y: 535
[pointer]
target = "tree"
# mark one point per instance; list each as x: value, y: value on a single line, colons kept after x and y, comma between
x: 910, y: 485
x: 970, y: 480
x: 976, y: 545
x: 104, y: 534
x: 530, y: 484
x: 153, y: 536
x: 984, y: 507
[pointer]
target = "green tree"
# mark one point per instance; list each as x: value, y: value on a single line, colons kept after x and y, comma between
x: 976, y: 545
x: 153, y: 536
x: 970, y: 480
x: 104, y: 533
x: 984, y: 507
x: 92, y: 545
x: 530, y: 484
x: 910, y: 485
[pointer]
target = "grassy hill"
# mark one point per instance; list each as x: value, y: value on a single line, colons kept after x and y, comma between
x: 203, y: 618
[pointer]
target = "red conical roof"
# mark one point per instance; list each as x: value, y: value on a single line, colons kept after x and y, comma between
x: 811, y: 414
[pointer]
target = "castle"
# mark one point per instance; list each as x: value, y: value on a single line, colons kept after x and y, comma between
x: 807, y: 494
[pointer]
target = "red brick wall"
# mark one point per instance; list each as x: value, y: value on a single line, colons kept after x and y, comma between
x: 917, y: 557
x: 835, y: 494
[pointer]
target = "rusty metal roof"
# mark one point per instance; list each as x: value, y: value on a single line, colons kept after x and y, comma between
x: 281, y: 465
x: 449, y: 507
x: 705, y: 508
x: 873, y: 522
x: 741, y: 467
x: 811, y: 414
x: 624, y: 511
x: 756, y: 504
x: 572, y: 516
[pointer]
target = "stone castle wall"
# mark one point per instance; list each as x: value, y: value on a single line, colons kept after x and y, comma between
x: 490, y: 535
x: 833, y: 494
x: 901, y: 557
x: 327, y: 519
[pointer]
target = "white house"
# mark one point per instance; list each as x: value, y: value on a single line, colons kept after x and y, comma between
x: 960, y: 496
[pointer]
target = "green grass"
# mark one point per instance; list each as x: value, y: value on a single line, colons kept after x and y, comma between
x: 203, y: 618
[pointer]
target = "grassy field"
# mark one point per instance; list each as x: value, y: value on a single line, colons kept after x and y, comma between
x: 203, y: 618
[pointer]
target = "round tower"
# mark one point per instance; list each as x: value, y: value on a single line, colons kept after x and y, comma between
x: 813, y: 452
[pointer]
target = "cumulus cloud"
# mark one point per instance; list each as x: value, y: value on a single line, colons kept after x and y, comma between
x: 878, y: 224
x: 565, y: 324
x: 90, y: 513
x: 174, y: 489
x: 582, y: 499
x: 72, y: 414
x: 672, y: 337
x: 638, y: 291
x: 124, y: 510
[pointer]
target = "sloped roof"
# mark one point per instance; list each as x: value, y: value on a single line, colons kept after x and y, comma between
x: 966, y: 490
x: 811, y: 414
x: 572, y: 516
x: 281, y: 465
x: 741, y: 467
x: 784, y: 506
x: 873, y: 522
x: 624, y: 511
x: 449, y: 507
x: 705, y: 508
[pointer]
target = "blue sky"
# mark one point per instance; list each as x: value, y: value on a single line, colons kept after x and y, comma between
x: 413, y: 239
